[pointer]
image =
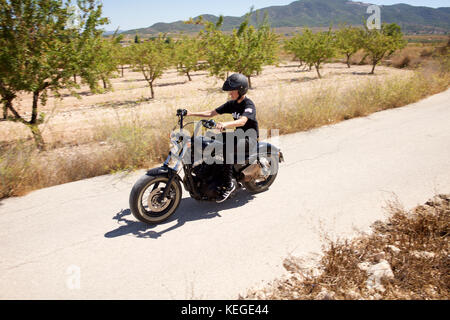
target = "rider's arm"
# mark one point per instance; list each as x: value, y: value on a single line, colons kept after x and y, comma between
x: 205, y: 114
x: 232, y: 124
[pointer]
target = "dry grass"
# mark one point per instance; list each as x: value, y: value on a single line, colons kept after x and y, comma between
x: 122, y: 130
x: 413, y: 56
x: 75, y: 121
x: 413, y: 245
x: 332, y: 104
x: 416, y: 55
x: 128, y: 147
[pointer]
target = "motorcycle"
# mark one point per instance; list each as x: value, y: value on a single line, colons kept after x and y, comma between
x: 156, y: 196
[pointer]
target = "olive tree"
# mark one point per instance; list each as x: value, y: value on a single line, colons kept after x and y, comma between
x: 349, y: 40
x: 104, y: 61
x: 216, y: 46
x: 296, y: 46
x: 40, y: 48
x: 379, y: 44
x: 122, y: 56
x: 246, y: 50
x: 313, y: 48
x: 151, y: 58
x: 187, y: 54
x: 250, y: 48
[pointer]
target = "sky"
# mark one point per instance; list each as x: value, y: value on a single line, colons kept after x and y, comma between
x: 134, y: 14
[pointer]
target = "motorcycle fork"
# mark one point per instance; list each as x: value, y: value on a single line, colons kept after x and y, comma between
x: 172, y: 176
x: 171, y: 172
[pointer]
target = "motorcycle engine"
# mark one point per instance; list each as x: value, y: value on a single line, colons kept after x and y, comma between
x: 208, y: 178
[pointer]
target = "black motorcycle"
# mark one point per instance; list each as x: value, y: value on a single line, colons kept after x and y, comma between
x: 157, y: 195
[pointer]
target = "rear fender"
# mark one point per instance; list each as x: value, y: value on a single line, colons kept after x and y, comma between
x: 264, y: 149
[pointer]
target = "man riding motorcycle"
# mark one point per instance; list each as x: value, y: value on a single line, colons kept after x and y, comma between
x: 157, y: 194
x: 244, y: 115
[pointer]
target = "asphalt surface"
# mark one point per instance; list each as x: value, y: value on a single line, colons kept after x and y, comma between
x: 80, y: 241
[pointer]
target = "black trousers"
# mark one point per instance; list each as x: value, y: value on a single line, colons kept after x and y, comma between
x: 234, y: 153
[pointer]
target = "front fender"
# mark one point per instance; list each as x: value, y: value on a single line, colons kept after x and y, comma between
x: 163, y: 171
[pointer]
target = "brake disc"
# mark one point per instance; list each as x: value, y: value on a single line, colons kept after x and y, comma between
x: 154, y: 204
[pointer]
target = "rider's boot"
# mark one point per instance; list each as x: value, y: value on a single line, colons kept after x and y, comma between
x: 229, y: 186
x: 226, y: 192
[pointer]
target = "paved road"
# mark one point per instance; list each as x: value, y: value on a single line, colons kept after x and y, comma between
x: 79, y: 240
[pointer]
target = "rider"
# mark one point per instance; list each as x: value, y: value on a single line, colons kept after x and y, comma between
x: 244, y: 115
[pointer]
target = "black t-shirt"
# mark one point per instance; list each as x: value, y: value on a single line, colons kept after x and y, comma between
x: 244, y: 109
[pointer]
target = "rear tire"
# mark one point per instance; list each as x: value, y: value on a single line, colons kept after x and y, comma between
x: 146, y: 208
x: 255, y: 187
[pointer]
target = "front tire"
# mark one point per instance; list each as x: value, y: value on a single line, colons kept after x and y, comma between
x: 145, y: 204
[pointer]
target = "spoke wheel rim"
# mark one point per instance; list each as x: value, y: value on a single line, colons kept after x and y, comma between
x: 149, y: 200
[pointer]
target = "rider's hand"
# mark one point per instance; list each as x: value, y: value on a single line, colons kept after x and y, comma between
x: 220, y: 126
x: 188, y: 113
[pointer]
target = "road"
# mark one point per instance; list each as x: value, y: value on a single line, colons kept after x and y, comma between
x: 80, y: 241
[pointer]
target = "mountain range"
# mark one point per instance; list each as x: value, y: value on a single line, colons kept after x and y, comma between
x: 323, y: 13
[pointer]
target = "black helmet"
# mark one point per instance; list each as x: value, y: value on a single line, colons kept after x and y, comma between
x: 238, y: 82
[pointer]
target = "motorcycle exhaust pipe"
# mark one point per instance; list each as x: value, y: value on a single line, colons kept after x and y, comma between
x: 252, y: 172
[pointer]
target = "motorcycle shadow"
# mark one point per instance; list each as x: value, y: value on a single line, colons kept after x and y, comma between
x: 188, y: 211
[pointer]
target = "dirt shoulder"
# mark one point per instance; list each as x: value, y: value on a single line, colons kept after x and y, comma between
x: 405, y: 257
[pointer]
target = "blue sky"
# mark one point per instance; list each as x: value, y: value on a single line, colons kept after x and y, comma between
x: 132, y: 14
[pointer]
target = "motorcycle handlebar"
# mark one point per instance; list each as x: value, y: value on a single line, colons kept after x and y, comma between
x: 181, y: 112
x: 209, y: 124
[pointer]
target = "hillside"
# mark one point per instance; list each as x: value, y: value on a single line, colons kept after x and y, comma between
x: 322, y: 13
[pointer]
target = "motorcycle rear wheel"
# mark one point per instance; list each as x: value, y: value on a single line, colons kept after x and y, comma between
x: 145, y: 204
x: 255, y: 187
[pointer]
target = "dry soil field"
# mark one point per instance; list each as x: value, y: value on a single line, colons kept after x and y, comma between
x: 71, y: 121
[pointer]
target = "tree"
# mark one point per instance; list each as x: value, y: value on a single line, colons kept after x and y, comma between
x: 151, y: 58
x: 40, y: 47
x: 104, y: 61
x: 313, y: 48
x: 120, y: 54
x: 188, y: 52
x: 251, y: 48
x: 245, y: 51
x: 123, y: 57
x: 215, y: 44
x: 348, y: 41
x: 296, y: 46
x: 381, y: 43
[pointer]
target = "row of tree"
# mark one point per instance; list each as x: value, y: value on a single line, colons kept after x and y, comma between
x: 43, y: 44
x: 246, y: 50
x: 313, y: 49
x: 50, y: 45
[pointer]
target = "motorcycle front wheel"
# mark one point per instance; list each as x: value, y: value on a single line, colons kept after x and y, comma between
x: 146, y: 203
